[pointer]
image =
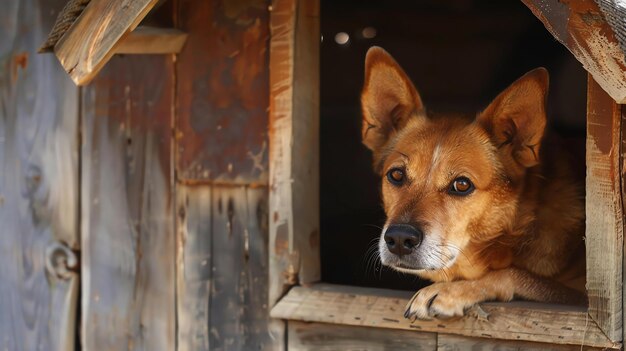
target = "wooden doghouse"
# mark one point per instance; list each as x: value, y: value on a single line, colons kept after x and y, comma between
x: 171, y: 202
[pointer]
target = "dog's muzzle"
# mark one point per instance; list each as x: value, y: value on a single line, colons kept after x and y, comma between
x: 402, y: 239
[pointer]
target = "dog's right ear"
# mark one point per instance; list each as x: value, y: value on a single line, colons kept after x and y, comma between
x: 388, y: 100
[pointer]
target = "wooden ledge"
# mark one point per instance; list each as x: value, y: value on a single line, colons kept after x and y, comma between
x: 150, y: 40
x: 381, y: 308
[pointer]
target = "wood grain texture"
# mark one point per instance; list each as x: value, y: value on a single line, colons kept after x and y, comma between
x: 605, y: 224
x: 193, y: 265
x: 384, y: 308
x: 223, y: 269
x: 583, y: 29
x: 448, y: 342
x: 294, y: 154
x: 151, y: 40
x: 223, y: 92
x: 128, y: 236
x: 331, y: 337
x: 615, y: 12
x: 38, y: 185
x: 90, y: 42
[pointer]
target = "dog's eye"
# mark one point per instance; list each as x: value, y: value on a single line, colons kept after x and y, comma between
x: 461, y: 186
x: 396, y: 176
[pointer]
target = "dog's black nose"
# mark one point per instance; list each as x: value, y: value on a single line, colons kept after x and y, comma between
x: 401, y: 239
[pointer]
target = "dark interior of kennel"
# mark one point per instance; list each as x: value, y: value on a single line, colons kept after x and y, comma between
x: 460, y: 54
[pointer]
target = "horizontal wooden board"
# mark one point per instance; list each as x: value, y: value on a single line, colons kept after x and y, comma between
x: 448, y: 342
x: 151, y: 40
x: 384, y: 309
x: 332, y: 337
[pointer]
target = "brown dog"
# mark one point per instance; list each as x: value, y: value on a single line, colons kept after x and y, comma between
x: 476, y: 205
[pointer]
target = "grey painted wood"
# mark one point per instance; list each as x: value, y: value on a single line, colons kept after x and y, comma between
x: 38, y: 185
x: 193, y: 266
x: 223, y: 269
x: 333, y: 337
x: 128, y: 238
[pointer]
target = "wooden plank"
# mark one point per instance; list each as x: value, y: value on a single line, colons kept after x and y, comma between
x: 38, y: 185
x: 90, y: 42
x: 222, y: 269
x: 222, y: 97
x: 448, y: 342
x: 128, y: 258
x: 384, y: 309
x: 151, y: 40
x: 582, y: 28
x: 294, y: 154
x: 330, y: 337
x: 193, y: 264
x: 605, y: 225
x: 239, y: 312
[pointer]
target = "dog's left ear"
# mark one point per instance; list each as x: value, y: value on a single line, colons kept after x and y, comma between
x: 516, y: 119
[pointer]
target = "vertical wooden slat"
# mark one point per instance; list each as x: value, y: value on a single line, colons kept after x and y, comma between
x: 294, y: 143
x: 605, y: 225
x: 193, y: 267
x: 38, y: 185
x: 222, y: 269
x: 238, y: 300
x: 128, y: 290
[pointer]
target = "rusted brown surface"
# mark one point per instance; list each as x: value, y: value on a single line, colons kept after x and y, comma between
x: 128, y: 258
x: 222, y: 91
x: 604, y: 211
x: 583, y: 29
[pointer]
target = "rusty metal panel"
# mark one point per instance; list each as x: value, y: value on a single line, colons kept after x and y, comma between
x: 222, y: 91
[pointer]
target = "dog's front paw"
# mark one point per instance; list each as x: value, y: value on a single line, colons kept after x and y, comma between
x: 440, y: 300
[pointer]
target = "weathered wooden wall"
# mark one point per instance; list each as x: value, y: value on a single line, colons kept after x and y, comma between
x: 222, y: 230
x: 38, y: 185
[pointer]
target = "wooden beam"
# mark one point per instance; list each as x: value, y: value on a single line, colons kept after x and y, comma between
x: 90, y: 42
x: 384, y: 309
x: 583, y: 29
x: 151, y: 40
x: 294, y: 145
x: 604, y: 212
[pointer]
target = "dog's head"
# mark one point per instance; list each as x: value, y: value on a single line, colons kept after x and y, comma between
x: 447, y: 182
